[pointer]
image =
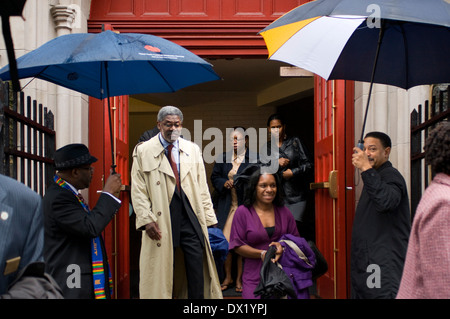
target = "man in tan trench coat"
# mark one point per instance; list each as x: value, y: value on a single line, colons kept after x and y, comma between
x: 163, y: 210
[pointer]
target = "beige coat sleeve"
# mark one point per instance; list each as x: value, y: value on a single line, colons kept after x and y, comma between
x: 210, y: 215
x: 142, y: 205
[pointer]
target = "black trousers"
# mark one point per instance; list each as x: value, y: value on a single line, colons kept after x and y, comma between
x: 185, y: 230
x: 193, y: 258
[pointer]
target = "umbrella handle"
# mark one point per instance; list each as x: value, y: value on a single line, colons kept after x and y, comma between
x: 113, y: 165
x: 360, y: 145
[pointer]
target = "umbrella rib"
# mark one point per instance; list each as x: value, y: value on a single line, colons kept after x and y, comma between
x: 34, y: 77
x: 45, y: 78
x: 27, y: 84
x: 162, y: 77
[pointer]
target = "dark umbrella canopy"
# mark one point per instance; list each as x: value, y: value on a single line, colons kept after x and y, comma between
x: 420, y: 11
x: 404, y: 43
x: 410, y: 54
x: 110, y: 64
x: 414, y: 47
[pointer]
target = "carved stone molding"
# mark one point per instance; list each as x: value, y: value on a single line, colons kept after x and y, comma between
x: 63, y: 16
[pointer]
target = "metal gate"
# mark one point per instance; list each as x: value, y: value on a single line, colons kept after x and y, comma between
x: 27, y: 139
x: 422, y: 121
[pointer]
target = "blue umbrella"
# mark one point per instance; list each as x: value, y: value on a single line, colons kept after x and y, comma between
x: 218, y: 242
x: 109, y: 64
x: 397, y: 42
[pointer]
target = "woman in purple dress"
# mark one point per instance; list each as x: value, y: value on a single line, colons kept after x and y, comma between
x: 259, y: 223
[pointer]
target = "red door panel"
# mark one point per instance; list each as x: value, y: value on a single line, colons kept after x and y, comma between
x: 191, y: 9
x: 333, y: 185
x: 116, y: 234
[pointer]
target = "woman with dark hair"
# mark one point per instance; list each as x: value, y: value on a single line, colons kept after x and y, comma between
x: 259, y: 223
x: 295, y: 168
x: 426, y: 273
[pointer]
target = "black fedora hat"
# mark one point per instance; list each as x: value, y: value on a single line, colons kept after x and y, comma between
x: 73, y: 155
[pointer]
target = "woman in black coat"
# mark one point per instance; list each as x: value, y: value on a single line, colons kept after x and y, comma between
x: 295, y: 169
x: 227, y: 196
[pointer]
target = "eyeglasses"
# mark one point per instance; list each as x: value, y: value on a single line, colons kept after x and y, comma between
x: 170, y: 124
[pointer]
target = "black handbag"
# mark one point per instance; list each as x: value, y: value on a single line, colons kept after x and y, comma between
x: 321, y: 266
x: 274, y: 283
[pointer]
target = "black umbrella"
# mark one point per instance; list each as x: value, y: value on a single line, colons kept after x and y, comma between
x: 274, y: 282
x: 397, y: 42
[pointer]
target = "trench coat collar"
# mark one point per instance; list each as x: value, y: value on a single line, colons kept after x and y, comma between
x: 157, y: 151
x: 186, y: 160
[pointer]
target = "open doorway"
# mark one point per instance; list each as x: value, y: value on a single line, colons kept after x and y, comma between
x: 299, y: 117
x: 248, y: 93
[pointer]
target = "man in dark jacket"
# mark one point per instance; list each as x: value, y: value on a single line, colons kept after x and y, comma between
x: 73, y: 248
x: 382, y: 222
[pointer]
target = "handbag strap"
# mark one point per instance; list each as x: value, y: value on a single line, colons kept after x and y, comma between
x: 297, y: 250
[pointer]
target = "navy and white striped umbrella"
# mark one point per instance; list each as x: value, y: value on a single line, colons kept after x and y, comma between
x: 404, y: 43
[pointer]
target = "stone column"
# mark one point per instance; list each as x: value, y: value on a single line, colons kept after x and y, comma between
x: 68, y: 113
x: 389, y: 112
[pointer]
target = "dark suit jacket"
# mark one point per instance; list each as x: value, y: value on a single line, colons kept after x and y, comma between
x: 219, y: 176
x: 68, y: 233
x: 21, y: 227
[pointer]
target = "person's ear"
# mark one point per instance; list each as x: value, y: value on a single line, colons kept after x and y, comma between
x: 387, y: 152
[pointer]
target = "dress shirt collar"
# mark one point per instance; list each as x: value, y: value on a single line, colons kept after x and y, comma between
x: 164, y: 143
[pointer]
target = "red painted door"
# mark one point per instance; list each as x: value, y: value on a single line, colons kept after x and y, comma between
x: 116, y: 235
x: 334, y: 195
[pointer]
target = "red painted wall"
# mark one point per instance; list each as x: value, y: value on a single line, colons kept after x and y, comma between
x: 209, y: 28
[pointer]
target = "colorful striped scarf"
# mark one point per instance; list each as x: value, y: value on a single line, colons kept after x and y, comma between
x: 98, y: 270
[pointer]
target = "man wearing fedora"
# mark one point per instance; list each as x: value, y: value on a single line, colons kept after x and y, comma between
x: 73, y: 248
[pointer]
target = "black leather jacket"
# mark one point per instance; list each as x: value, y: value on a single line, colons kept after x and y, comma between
x: 300, y: 162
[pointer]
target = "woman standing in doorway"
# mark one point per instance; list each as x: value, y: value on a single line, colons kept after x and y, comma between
x: 229, y: 197
x: 295, y: 169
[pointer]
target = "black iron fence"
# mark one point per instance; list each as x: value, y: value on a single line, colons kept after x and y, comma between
x: 27, y: 139
x: 424, y: 119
